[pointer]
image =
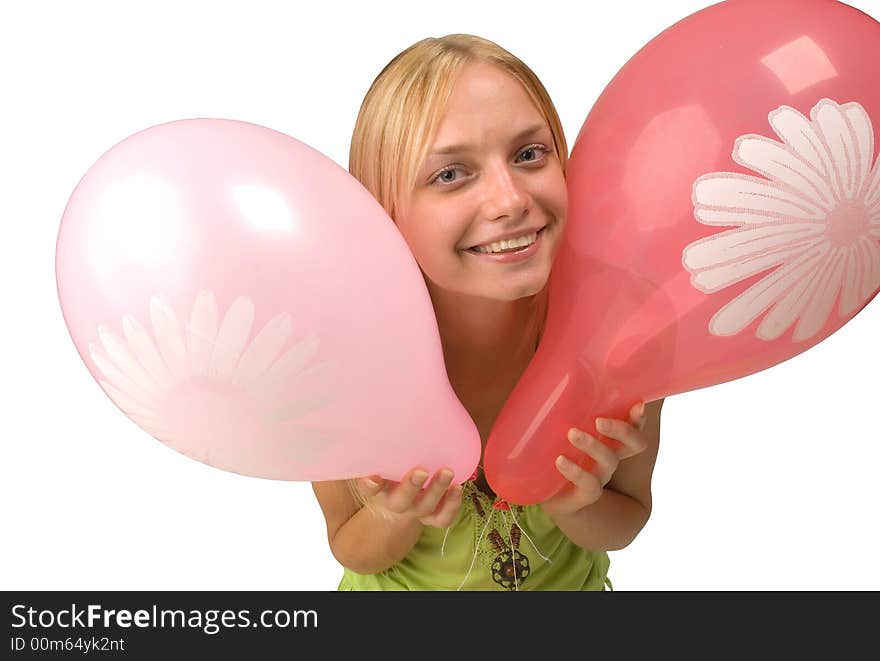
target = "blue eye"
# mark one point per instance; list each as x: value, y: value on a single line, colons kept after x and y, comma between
x: 448, y: 175
x: 532, y: 153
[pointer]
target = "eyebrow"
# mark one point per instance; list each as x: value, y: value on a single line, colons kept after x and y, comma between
x: 462, y: 148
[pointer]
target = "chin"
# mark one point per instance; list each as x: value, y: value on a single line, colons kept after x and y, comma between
x: 524, y: 291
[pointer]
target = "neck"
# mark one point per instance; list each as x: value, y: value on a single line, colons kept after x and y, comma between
x: 481, y: 333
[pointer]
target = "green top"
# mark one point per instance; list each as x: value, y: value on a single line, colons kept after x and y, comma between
x: 493, y: 567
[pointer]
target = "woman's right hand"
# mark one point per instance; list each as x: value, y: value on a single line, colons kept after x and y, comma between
x: 435, y: 505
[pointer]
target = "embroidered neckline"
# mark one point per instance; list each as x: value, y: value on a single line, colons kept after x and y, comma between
x: 499, y: 503
x: 509, y: 567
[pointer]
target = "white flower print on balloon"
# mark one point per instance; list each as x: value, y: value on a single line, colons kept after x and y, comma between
x: 815, y: 215
x: 192, y: 387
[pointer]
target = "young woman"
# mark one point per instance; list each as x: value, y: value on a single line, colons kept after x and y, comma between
x: 460, y: 143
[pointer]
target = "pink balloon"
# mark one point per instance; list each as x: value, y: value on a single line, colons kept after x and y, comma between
x: 724, y: 217
x: 246, y: 301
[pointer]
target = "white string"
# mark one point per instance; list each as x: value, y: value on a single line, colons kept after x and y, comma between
x: 523, y: 531
x: 443, y: 545
x: 476, y: 549
x: 480, y: 539
x: 448, y: 528
x: 512, y: 552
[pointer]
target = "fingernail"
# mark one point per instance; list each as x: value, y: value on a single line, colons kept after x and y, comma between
x: 419, y: 477
x: 446, y: 474
x: 602, y: 424
x: 369, y: 483
x: 580, y: 437
x: 642, y: 409
x: 573, y: 435
x: 563, y: 462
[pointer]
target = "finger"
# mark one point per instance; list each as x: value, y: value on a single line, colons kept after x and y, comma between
x: 444, y: 515
x: 432, y: 495
x: 629, y: 436
x: 402, y: 496
x: 638, y: 415
x: 584, y: 491
x: 586, y: 482
x: 370, y: 486
x: 605, y: 458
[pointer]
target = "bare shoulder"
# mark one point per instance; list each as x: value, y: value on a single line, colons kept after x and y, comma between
x: 633, y: 476
x: 337, y: 503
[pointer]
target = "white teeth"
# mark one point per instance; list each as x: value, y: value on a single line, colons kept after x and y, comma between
x: 500, y: 246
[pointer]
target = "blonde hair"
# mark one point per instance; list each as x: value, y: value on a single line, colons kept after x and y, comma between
x: 401, y: 112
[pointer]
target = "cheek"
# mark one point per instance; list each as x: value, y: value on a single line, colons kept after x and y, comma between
x: 553, y: 195
x: 560, y: 190
x: 432, y: 236
x: 552, y: 192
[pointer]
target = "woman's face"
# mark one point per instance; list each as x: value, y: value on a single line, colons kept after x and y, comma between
x: 491, y: 174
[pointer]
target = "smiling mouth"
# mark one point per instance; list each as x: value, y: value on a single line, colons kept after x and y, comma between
x: 504, y: 247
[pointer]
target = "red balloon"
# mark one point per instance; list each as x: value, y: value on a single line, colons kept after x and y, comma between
x: 724, y: 216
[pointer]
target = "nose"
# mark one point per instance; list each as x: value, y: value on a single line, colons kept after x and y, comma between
x: 505, y: 195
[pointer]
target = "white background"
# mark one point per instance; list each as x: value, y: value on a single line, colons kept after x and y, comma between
x: 767, y: 482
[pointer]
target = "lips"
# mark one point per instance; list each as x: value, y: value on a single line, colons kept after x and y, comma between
x: 514, y: 256
x: 508, y: 237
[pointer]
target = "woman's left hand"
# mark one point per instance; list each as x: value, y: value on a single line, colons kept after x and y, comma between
x: 586, y: 486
